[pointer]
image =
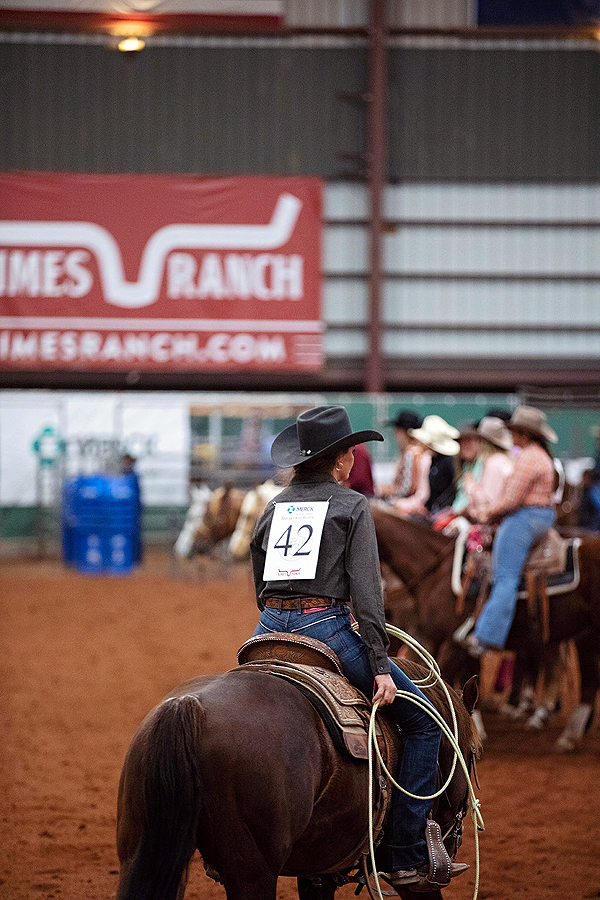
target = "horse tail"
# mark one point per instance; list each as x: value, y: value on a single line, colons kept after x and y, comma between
x: 167, y: 803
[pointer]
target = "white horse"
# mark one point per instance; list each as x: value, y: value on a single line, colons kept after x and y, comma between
x: 185, y: 542
x: 253, y: 506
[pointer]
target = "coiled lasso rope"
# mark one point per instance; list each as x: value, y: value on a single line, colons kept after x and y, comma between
x: 452, y: 735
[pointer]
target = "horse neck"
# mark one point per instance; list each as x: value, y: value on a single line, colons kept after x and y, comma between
x: 409, y: 548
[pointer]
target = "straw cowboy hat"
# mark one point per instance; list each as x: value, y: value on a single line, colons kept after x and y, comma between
x: 315, y: 432
x: 532, y: 421
x: 438, y: 435
x: 491, y: 429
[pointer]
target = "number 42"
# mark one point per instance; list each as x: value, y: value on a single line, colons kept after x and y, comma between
x: 285, y: 543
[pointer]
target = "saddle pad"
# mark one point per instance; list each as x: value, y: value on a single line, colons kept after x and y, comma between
x: 567, y: 579
x: 549, y: 554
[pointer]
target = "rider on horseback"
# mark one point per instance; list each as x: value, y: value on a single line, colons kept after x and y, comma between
x: 314, y: 552
x: 526, y: 511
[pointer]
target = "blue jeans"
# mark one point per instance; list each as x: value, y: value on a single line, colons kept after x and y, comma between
x: 417, y: 768
x: 512, y: 543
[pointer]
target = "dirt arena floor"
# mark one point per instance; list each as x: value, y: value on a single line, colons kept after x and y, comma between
x: 82, y: 659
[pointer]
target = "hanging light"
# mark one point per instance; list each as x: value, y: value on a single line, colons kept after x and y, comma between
x: 130, y: 44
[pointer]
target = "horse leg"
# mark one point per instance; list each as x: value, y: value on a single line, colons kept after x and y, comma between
x: 246, y: 884
x: 322, y: 888
x: 527, y: 664
x: 248, y: 864
x: 581, y: 717
x: 552, y: 671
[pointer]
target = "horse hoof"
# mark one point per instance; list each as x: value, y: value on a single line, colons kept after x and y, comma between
x: 538, y: 720
x: 565, y: 745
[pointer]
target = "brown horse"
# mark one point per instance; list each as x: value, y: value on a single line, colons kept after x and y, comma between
x: 219, y: 519
x: 242, y: 768
x: 423, y: 559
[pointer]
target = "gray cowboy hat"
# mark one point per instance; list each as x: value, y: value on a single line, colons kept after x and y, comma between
x: 315, y: 432
x: 492, y: 429
x: 531, y: 421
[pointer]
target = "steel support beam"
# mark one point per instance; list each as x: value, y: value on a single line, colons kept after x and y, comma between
x: 376, y: 155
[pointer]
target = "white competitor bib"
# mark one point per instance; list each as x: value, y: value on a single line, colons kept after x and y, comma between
x: 295, y: 540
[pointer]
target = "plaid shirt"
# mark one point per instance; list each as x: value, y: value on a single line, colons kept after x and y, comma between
x: 530, y: 483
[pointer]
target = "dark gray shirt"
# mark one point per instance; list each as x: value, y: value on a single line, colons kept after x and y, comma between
x: 348, y: 567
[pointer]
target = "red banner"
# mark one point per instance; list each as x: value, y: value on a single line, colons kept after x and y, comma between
x: 160, y: 273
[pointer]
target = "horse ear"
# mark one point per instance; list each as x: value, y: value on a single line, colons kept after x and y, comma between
x: 470, y: 693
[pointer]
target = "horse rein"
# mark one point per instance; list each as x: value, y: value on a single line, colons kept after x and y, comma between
x: 454, y: 830
x: 468, y: 766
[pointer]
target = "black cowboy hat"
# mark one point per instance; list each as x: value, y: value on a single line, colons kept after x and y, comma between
x: 315, y: 432
x: 406, y: 419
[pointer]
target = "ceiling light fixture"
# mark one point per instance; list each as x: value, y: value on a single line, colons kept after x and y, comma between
x: 130, y: 44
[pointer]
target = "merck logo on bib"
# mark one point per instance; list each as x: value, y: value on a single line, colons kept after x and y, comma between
x: 105, y: 272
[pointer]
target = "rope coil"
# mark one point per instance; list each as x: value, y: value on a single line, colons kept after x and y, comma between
x: 433, y: 676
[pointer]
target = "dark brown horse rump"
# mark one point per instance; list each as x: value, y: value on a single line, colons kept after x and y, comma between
x: 242, y: 768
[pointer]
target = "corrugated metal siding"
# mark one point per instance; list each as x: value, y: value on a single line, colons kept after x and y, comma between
x: 274, y: 106
x: 471, y: 271
x: 326, y: 13
x: 212, y: 109
x: 494, y: 115
x: 483, y: 259
x: 431, y: 13
x: 401, y: 13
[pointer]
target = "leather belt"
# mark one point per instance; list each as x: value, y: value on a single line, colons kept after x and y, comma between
x: 299, y: 603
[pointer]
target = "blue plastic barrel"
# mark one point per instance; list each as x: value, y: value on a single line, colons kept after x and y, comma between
x: 122, y: 523
x: 101, y: 523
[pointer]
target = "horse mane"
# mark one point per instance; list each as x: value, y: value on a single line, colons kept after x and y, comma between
x: 468, y: 736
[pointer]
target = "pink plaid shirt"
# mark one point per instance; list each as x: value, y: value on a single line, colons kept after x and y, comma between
x: 530, y: 483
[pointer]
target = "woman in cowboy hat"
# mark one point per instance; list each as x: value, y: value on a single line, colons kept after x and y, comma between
x: 482, y: 482
x: 526, y: 512
x: 411, y: 474
x: 305, y: 580
x: 438, y: 440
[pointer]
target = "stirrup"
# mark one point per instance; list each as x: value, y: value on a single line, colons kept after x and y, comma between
x: 434, y: 876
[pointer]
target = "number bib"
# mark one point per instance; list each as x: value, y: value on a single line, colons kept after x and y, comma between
x: 295, y: 540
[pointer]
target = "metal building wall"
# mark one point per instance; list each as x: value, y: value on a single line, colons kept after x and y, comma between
x: 210, y: 106
x: 475, y: 275
x: 492, y: 216
x: 494, y: 111
x: 460, y: 111
x: 400, y: 13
